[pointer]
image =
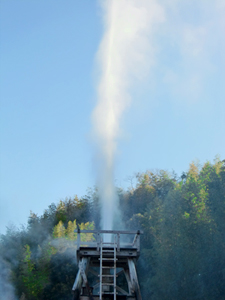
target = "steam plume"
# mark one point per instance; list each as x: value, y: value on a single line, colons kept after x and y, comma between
x: 125, y: 53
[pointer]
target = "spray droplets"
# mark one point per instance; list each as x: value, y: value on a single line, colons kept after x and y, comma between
x: 124, y: 54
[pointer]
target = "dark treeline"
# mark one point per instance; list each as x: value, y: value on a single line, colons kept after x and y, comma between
x: 182, y: 249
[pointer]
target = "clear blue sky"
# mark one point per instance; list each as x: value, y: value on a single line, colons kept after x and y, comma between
x: 47, y: 82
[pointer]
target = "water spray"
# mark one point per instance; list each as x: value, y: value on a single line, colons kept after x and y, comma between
x: 125, y: 53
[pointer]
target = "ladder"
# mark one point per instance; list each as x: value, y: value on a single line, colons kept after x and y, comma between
x: 107, y: 263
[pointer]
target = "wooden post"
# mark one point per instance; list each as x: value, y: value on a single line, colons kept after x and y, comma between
x: 118, y: 242
x: 134, y: 278
x: 98, y: 241
x: 78, y: 237
x: 78, y: 282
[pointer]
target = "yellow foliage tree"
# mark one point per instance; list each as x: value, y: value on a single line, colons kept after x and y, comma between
x: 86, y: 237
x: 71, y: 235
x: 59, y: 230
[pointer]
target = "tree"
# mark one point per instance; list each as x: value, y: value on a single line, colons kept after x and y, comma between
x: 59, y: 230
x: 71, y: 235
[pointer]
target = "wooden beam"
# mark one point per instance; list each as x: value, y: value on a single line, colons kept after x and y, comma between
x: 134, y: 278
x: 110, y: 231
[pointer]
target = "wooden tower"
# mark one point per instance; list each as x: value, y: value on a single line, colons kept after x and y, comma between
x: 107, y: 266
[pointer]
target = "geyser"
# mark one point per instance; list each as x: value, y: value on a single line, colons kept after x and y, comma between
x: 123, y: 55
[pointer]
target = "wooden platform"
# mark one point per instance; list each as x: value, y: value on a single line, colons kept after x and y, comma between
x: 107, y: 261
x: 94, y: 253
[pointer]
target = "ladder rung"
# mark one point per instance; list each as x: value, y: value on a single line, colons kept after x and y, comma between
x: 111, y: 259
x: 107, y: 250
x: 107, y: 267
x: 111, y: 284
x: 108, y: 243
x: 108, y: 293
x: 108, y: 276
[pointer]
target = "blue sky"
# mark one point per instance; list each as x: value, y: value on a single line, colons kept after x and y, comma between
x: 48, y: 92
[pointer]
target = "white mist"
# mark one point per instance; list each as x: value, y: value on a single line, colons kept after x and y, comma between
x: 125, y: 53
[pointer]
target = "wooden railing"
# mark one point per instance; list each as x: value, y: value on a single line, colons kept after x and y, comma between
x: 99, y: 233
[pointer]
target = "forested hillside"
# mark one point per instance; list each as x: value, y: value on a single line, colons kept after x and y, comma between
x: 182, y: 249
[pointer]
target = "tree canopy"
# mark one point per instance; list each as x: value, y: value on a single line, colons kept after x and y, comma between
x: 182, y: 249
